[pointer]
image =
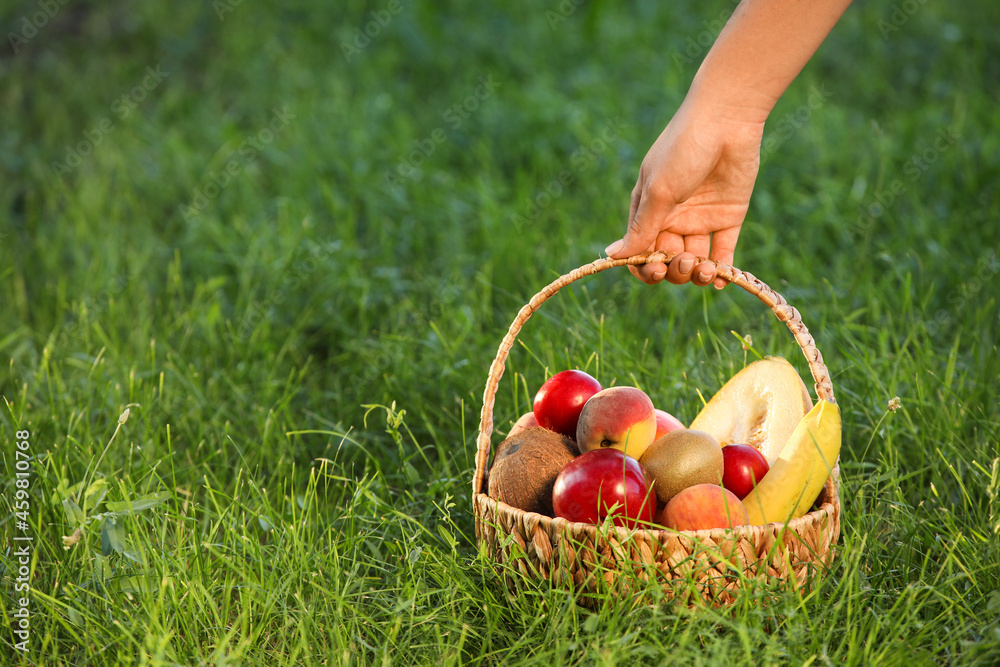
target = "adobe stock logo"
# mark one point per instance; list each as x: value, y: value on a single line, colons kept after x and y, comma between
x: 696, y: 47
x: 915, y: 167
x: 981, y: 278
x: 583, y: 158
x: 213, y: 183
x: 122, y: 107
x: 793, y: 121
x: 223, y: 7
x: 292, y: 281
x: 562, y: 12
x: 408, y: 164
x: 29, y: 27
x: 363, y: 35
x: 898, y: 17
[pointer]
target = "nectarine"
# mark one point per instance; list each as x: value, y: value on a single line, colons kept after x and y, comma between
x: 704, y: 506
x: 525, y: 421
x: 665, y: 423
x: 622, y: 418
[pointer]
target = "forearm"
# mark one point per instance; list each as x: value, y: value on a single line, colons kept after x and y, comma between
x: 763, y: 47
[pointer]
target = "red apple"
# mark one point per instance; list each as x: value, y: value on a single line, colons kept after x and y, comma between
x: 665, y: 423
x: 620, y: 418
x: 704, y: 506
x: 559, y: 402
x: 602, y: 483
x: 742, y: 467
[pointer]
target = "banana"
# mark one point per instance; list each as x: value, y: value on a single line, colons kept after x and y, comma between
x: 789, y: 488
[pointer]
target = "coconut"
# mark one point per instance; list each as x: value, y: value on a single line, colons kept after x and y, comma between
x: 526, y: 467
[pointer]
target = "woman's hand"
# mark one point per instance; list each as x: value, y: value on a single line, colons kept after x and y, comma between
x: 695, y: 182
x: 692, y: 194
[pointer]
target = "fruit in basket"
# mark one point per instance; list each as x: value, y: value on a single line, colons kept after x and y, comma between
x: 743, y: 467
x: 704, y: 506
x: 665, y: 423
x: 526, y: 466
x: 618, y: 418
x: 801, y: 470
x: 602, y: 483
x: 560, y: 400
x: 680, y: 459
x: 525, y: 421
x: 760, y: 406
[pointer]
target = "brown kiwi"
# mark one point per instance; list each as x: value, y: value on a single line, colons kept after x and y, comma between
x: 680, y: 459
x: 526, y: 467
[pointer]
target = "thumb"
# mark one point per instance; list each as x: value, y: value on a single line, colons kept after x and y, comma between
x: 644, y: 225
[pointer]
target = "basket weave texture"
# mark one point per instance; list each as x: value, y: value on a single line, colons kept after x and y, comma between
x: 711, y: 564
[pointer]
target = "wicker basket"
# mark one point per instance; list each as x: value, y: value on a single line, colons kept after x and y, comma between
x: 595, y: 560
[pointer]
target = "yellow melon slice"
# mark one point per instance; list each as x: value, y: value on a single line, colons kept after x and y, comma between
x: 760, y: 406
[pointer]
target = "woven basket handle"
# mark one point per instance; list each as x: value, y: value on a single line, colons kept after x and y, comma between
x: 749, y: 282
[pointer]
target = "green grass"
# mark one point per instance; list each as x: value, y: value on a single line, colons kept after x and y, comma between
x: 303, y: 353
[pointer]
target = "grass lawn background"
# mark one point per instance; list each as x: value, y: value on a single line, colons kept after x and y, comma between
x: 292, y: 261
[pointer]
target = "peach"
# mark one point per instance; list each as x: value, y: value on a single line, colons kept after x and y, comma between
x: 704, y: 506
x: 525, y: 421
x: 622, y: 418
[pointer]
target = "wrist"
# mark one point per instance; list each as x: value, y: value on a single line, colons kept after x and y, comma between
x: 727, y: 100
x: 705, y: 105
